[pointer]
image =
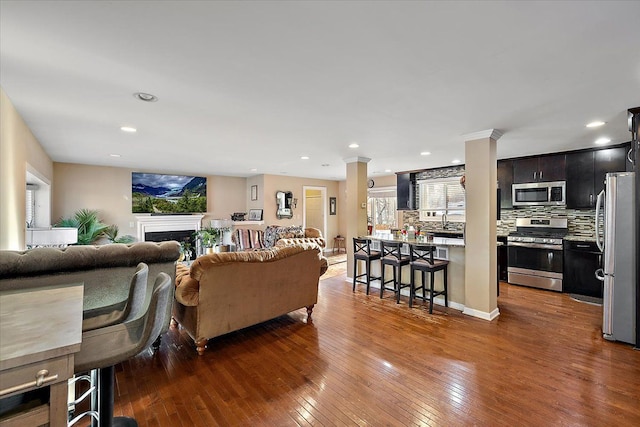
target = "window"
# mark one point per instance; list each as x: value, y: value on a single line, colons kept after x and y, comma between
x: 438, y: 197
x: 30, y: 216
x: 381, y: 208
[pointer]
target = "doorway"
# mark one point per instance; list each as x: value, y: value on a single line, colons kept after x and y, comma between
x: 314, y: 208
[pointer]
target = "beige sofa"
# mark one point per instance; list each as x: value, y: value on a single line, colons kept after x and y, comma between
x: 228, y: 291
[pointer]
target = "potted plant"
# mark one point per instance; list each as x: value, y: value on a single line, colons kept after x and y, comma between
x: 207, y: 238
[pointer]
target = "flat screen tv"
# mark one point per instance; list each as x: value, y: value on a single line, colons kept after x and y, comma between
x: 167, y: 194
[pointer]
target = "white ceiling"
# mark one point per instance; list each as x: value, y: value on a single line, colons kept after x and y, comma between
x: 245, y: 85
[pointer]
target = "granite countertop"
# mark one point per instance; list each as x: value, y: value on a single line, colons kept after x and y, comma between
x: 576, y: 238
x: 437, y: 241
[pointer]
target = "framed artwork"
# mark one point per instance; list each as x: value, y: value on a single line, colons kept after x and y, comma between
x: 332, y: 205
x: 255, y: 214
x: 254, y: 192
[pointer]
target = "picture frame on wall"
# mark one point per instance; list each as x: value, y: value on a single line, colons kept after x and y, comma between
x: 255, y: 214
x: 332, y: 205
x: 254, y: 192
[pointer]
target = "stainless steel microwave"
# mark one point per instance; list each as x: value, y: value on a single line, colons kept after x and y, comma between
x: 540, y: 194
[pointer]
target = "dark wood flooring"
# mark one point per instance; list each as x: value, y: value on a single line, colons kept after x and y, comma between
x: 366, y: 361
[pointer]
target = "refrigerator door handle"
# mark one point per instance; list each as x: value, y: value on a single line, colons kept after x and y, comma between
x: 599, y: 242
x: 600, y: 274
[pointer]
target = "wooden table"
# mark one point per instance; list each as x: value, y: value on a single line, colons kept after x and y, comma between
x: 40, y: 330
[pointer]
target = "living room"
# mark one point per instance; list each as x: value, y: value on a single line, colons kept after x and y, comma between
x: 262, y: 98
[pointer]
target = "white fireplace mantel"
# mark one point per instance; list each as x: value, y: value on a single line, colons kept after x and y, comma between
x: 156, y: 223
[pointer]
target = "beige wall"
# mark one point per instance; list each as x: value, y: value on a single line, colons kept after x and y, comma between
x: 108, y: 190
x: 275, y: 183
x: 19, y: 150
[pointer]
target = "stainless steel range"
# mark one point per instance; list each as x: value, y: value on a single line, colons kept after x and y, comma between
x: 534, y: 253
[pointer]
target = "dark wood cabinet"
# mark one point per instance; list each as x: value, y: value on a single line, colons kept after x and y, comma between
x: 539, y: 169
x: 586, y: 172
x: 608, y: 160
x: 405, y: 191
x: 581, y: 260
x: 505, y: 179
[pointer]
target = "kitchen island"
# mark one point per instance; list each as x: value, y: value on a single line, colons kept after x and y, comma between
x: 451, y: 249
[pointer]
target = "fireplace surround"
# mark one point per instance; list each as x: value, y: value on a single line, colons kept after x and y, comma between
x: 166, y: 223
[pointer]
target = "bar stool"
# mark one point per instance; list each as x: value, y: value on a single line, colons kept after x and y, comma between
x: 392, y: 256
x: 338, y: 242
x: 362, y: 251
x: 103, y: 347
x: 422, y: 260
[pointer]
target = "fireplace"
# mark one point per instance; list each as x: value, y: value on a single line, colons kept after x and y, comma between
x: 158, y: 228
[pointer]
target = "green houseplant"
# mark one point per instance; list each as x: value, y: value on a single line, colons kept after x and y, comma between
x: 207, y: 237
x: 91, y: 229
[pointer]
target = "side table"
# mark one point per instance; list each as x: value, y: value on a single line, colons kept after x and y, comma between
x: 339, y: 243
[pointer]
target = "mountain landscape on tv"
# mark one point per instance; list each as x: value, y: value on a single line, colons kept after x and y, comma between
x: 165, y: 194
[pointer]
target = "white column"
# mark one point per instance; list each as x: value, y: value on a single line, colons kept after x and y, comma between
x: 356, y: 204
x: 481, y: 208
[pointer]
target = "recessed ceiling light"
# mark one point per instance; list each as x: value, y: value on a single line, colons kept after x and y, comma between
x: 146, y: 97
x: 456, y: 161
x: 254, y: 170
x: 353, y: 145
x: 128, y: 129
x: 425, y: 153
x: 595, y: 124
x: 114, y: 155
x: 387, y: 170
x: 325, y: 165
x: 304, y: 158
x: 602, y: 141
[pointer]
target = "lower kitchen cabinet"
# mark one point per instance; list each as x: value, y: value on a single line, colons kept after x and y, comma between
x: 581, y: 260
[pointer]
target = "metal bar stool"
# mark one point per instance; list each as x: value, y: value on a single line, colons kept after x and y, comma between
x: 422, y: 260
x: 392, y: 256
x: 362, y: 251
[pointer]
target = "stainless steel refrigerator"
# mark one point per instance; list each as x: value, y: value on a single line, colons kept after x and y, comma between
x: 618, y: 244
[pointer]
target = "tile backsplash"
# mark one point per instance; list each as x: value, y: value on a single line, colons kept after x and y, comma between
x: 580, y: 221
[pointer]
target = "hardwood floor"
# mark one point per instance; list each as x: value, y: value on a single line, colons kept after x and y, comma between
x: 366, y: 361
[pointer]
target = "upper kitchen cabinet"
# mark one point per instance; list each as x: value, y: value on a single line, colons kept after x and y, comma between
x: 539, y: 169
x: 586, y: 172
x: 405, y: 191
x: 505, y: 179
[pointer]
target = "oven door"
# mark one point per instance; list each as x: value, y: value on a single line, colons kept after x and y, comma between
x: 536, y: 265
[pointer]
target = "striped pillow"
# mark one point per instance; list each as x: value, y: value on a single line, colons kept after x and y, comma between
x: 248, y: 239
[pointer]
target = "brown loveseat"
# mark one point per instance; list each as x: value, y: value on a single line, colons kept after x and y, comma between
x: 228, y: 291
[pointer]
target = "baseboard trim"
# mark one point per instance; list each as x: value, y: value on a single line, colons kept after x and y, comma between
x: 481, y: 314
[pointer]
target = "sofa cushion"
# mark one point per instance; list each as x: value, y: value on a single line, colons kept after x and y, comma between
x: 187, y: 289
x: 247, y: 239
x: 273, y: 233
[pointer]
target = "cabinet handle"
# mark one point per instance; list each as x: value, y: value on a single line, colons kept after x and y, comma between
x: 590, y: 199
x: 534, y: 175
x: 629, y: 156
x: 540, y: 174
x: 582, y: 246
x: 41, y: 379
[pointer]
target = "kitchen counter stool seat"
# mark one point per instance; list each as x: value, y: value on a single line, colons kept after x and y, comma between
x: 362, y: 252
x: 392, y: 257
x: 422, y: 260
x: 105, y: 346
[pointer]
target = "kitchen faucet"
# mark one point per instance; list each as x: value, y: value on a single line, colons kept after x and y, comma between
x: 445, y: 223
